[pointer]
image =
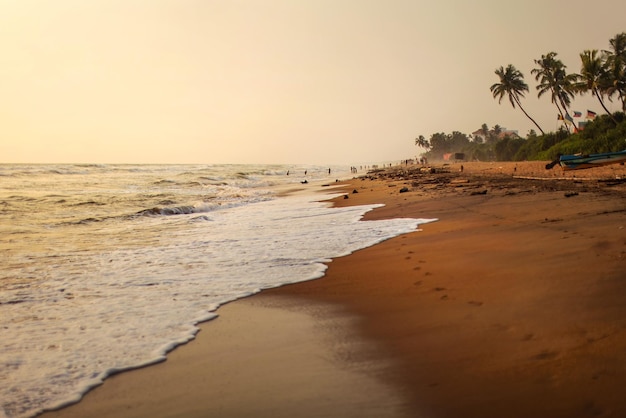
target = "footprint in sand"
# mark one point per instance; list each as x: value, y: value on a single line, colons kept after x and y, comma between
x: 546, y: 355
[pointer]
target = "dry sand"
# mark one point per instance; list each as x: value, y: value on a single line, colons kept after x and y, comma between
x: 513, y: 304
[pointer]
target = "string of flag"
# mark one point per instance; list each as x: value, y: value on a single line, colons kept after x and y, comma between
x: 581, y: 124
x: 577, y: 114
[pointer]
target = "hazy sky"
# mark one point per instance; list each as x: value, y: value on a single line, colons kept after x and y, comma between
x: 273, y: 81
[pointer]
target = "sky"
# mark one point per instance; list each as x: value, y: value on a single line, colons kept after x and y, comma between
x: 274, y: 81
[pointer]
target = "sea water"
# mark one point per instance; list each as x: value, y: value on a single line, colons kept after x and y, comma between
x: 108, y: 267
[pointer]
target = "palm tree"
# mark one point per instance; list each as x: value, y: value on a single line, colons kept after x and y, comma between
x: 483, y: 135
x: 594, y: 76
x: 554, y: 79
x: 512, y: 84
x: 420, y: 141
x: 616, y: 64
x: 484, y: 130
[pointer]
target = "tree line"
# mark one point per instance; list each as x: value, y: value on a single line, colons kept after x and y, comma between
x: 602, y: 74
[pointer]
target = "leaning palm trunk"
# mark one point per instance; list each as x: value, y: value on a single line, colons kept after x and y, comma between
x: 564, y: 110
x: 562, y: 113
x: 597, y: 94
x: 528, y: 116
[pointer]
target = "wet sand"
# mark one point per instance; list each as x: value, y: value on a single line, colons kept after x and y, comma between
x: 512, y: 304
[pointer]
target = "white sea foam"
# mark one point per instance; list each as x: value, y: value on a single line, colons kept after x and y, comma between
x: 79, y: 301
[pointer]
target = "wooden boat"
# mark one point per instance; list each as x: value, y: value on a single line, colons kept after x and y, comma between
x: 582, y: 161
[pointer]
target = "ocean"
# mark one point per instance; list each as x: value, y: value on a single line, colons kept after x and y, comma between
x: 108, y: 267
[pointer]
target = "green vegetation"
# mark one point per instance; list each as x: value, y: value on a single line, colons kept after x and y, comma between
x: 601, y: 135
x: 602, y: 74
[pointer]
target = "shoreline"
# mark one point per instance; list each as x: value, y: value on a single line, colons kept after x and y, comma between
x: 471, y: 316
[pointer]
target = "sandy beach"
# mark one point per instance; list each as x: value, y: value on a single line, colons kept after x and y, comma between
x: 512, y: 304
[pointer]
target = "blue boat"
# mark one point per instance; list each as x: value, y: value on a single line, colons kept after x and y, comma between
x: 582, y: 161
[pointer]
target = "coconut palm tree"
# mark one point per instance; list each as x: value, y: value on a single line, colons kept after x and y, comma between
x: 511, y: 84
x: 483, y: 133
x: 616, y: 64
x: 594, y: 76
x: 422, y: 142
x: 554, y: 79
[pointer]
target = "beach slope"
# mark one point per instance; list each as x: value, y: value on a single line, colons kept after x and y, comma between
x: 512, y: 304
